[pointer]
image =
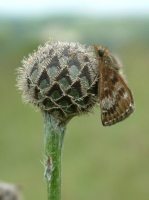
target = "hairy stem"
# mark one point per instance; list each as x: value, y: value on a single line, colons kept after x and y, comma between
x: 54, y: 134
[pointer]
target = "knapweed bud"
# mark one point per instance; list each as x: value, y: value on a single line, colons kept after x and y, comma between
x: 10, y: 192
x: 61, y: 78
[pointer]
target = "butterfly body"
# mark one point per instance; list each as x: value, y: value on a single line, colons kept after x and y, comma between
x: 116, y: 100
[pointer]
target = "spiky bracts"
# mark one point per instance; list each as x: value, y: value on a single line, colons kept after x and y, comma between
x: 61, y: 78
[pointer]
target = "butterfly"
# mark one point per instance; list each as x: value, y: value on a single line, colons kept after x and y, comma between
x: 115, y: 98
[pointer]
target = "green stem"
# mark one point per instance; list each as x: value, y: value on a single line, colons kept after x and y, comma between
x: 54, y: 134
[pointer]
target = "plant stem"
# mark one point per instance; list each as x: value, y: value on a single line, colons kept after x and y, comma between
x: 54, y: 134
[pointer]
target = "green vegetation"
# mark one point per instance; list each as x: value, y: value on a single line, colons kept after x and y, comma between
x: 98, y: 163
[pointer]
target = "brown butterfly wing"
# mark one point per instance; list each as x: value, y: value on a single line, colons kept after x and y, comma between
x: 116, y: 100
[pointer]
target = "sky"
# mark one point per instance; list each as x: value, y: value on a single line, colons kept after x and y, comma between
x: 89, y: 7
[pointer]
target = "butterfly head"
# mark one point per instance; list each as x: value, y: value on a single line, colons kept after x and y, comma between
x: 101, y: 51
x: 106, y: 57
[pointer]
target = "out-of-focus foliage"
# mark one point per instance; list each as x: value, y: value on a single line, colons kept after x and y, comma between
x: 98, y: 163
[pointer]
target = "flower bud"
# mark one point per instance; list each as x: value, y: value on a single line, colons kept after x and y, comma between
x: 10, y: 191
x: 61, y: 78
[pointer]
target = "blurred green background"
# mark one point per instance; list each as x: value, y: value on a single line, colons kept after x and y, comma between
x: 98, y: 163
